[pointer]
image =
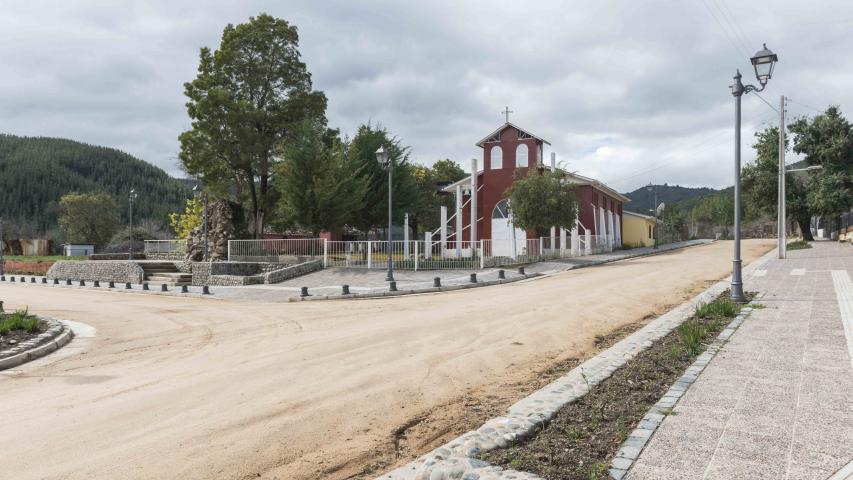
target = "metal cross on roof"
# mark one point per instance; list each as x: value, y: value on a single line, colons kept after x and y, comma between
x: 506, y: 112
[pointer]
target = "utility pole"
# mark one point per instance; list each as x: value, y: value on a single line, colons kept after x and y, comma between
x: 781, y: 210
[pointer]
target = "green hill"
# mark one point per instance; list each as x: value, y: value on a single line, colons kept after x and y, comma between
x: 642, y: 199
x: 35, y: 172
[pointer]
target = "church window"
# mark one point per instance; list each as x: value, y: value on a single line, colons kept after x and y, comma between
x: 501, y: 210
x: 497, y: 157
x: 521, y: 156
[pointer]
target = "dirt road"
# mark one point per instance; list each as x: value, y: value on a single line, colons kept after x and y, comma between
x: 196, y: 388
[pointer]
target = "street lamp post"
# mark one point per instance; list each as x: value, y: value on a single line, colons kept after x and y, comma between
x: 651, y: 188
x: 763, y: 62
x: 197, y: 190
x: 782, y: 207
x: 2, y: 246
x: 385, y: 159
x: 131, y: 197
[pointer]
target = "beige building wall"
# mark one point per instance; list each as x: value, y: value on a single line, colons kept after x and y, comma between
x: 637, y: 230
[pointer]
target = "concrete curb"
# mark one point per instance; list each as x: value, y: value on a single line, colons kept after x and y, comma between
x: 56, y: 340
x: 637, y: 440
x: 398, y: 293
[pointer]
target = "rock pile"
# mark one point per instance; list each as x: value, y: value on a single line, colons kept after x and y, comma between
x: 220, y: 229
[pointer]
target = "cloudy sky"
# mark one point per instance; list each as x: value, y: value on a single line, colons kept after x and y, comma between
x: 626, y: 91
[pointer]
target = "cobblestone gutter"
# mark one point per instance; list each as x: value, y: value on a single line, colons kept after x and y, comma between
x: 457, y: 459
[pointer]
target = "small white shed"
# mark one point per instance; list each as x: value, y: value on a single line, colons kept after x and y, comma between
x: 78, y: 249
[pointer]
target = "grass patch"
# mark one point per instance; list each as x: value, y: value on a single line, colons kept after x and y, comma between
x: 19, y: 321
x: 583, y: 437
x: 798, y: 245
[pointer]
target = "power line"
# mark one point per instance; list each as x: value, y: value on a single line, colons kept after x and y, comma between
x: 766, y: 102
x: 746, y: 41
x: 726, y: 33
x: 804, y: 105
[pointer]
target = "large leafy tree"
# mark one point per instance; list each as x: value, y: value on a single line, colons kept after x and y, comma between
x: 245, y: 103
x: 320, y: 188
x: 543, y: 199
x: 427, y: 212
x: 827, y: 140
x: 761, y: 183
x: 373, y: 211
x: 88, y: 218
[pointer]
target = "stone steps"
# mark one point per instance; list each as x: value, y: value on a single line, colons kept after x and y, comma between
x: 165, y: 272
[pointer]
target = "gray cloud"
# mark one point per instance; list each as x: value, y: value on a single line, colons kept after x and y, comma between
x: 629, y: 92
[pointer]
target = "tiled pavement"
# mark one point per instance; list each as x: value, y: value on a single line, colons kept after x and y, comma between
x: 777, y: 401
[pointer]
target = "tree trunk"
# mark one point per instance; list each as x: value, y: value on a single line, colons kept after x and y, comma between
x: 805, y: 228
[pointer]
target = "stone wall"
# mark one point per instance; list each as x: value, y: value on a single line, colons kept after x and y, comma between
x: 293, y: 271
x: 230, y: 274
x: 103, y: 270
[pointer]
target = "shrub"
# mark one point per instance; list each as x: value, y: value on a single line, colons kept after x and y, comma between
x: 691, y: 333
x: 20, y: 320
x: 720, y: 308
x: 798, y: 245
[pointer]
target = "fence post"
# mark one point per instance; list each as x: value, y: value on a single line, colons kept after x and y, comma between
x: 416, y: 255
x: 369, y: 254
x: 229, y: 249
x: 482, y: 256
x: 541, y: 252
x: 427, y: 246
x: 325, y: 253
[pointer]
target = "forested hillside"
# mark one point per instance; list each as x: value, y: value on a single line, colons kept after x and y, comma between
x: 35, y: 172
x: 642, y: 199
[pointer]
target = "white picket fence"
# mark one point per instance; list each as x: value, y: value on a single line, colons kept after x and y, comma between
x: 175, y: 246
x: 412, y: 254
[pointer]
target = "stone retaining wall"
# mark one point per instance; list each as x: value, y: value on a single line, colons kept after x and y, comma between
x: 293, y: 271
x: 103, y: 270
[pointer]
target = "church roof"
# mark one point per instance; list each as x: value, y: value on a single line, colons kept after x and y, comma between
x: 492, y: 136
x: 573, y: 177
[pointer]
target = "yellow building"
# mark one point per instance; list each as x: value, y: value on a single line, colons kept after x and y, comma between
x: 637, y: 230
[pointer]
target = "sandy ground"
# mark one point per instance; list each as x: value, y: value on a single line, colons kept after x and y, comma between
x: 196, y: 388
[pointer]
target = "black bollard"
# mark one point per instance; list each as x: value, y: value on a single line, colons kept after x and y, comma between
x: 501, y: 274
x: 68, y: 281
x: 184, y: 289
x: 473, y: 278
x: 32, y: 279
x: 127, y: 286
x: 345, y: 290
x: 145, y: 286
x: 521, y: 270
x: 23, y: 280
x: 11, y: 279
x: 436, y: 282
x: 56, y: 281
x: 205, y: 290
x: 97, y: 283
x: 2, y: 278
x: 164, y: 288
x: 82, y: 283
x: 111, y: 285
x: 304, y: 292
x: 43, y: 279
x: 392, y: 286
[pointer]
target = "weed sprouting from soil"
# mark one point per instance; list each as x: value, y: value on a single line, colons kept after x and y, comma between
x: 20, y: 320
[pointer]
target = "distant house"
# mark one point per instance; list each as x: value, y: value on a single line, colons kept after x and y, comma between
x: 77, y: 249
x: 638, y: 230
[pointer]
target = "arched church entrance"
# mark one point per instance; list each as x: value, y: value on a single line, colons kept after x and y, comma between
x: 502, y: 232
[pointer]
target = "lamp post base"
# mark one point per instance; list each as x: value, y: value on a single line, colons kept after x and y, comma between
x: 389, y: 277
x: 737, y: 295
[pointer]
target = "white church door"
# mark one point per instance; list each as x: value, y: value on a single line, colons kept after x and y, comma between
x: 502, y: 233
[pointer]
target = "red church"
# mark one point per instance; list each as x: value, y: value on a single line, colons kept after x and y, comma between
x: 507, y: 150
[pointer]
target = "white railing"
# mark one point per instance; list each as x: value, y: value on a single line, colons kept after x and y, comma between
x: 416, y: 254
x: 275, y: 250
x: 176, y: 246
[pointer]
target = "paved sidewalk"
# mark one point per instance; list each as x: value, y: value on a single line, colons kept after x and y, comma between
x: 777, y: 401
